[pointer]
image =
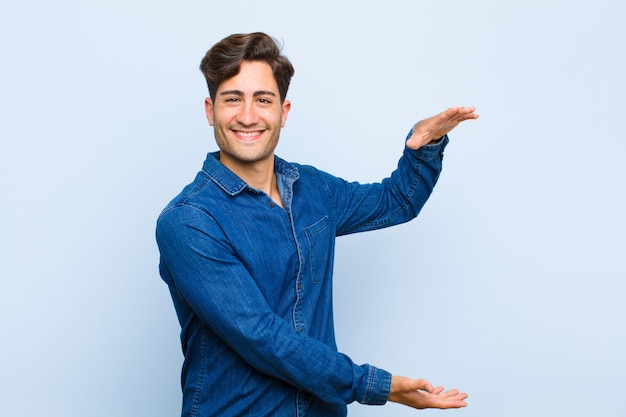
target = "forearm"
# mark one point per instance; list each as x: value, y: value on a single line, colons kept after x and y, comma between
x: 281, y: 352
x: 212, y: 284
x: 396, y: 199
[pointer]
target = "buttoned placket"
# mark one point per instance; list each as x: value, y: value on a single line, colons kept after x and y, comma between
x: 285, y: 186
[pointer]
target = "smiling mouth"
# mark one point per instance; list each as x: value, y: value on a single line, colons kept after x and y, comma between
x: 248, y: 135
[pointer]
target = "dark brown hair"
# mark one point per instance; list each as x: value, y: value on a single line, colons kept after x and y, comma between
x: 224, y: 59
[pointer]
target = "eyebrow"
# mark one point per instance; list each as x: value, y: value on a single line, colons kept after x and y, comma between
x: 240, y: 93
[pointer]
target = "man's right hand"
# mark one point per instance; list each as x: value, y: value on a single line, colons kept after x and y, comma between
x: 420, y: 394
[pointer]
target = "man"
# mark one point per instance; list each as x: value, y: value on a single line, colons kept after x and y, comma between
x: 247, y: 252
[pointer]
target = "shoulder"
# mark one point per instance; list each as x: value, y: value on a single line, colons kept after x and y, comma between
x: 310, y: 174
x: 194, y: 200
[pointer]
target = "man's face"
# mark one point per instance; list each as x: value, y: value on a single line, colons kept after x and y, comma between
x: 247, y: 115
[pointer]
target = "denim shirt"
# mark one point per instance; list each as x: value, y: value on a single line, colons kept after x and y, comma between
x: 251, y: 283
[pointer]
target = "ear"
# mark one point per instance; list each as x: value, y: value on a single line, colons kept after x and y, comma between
x: 208, y: 109
x: 285, y: 110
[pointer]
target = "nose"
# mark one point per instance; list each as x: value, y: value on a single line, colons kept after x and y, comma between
x: 247, y: 115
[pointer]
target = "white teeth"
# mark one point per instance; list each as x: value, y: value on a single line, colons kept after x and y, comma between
x: 255, y: 133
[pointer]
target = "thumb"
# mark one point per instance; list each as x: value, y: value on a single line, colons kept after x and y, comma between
x: 424, y: 385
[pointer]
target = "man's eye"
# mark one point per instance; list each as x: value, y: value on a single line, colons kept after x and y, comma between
x: 232, y: 100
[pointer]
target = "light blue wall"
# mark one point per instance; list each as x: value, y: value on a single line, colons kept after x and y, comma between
x: 510, y: 285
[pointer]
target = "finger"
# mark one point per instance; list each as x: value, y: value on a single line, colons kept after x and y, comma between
x: 453, y: 395
x: 455, y: 404
x: 447, y: 122
x: 470, y: 116
x: 456, y: 401
x: 455, y: 112
x: 462, y: 115
x: 450, y: 393
x: 437, y: 390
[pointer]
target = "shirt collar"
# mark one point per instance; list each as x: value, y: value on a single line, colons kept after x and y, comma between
x: 231, y: 183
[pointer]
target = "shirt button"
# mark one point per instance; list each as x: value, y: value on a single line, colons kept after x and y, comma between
x: 271, y: 204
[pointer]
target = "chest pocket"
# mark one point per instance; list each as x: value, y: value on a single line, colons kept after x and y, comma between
x: 320, y: 248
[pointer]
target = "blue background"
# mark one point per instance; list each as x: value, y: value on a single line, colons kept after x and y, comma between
x: 509, y: 286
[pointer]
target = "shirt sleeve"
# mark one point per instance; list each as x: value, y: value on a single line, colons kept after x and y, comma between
x: 204, y: 273
x: 395, y: 200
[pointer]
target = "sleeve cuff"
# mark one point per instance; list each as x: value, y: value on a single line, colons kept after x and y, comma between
x: 432, y: 149
x: 378, y: 387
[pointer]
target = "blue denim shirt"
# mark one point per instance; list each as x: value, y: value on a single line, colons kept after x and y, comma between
x: 251, y: 283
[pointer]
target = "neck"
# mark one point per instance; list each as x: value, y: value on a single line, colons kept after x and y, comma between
x: 259, y: 175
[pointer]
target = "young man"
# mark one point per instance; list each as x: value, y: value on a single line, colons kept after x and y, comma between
x: 247, y: 252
